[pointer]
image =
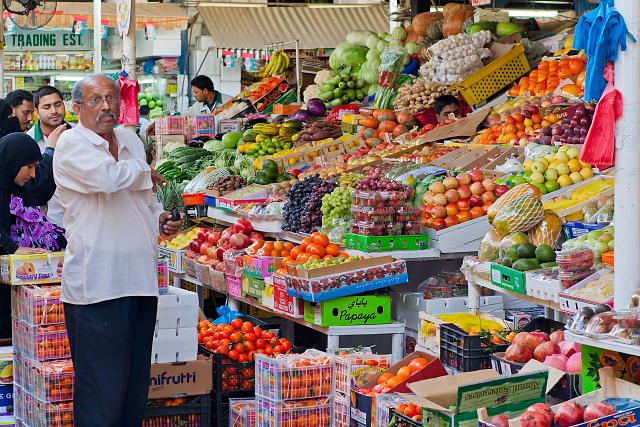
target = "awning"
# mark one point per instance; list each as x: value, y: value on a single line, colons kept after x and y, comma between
x: 250, y: 26
x: 167, y: 16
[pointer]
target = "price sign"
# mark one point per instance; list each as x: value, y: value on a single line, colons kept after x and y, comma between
x: 480, y: 2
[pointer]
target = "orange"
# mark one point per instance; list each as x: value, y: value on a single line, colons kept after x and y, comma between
x: 293, y: 253
x: 312, y: 256
x: 384, y: 377
x: 275, y: 252
x: 321, y: 240
x: 418, y: 363
x: 332, y: 249
x: 306, y: 242
x: 268, y: 245
x: 410, y: 410
x: 401, y: 407
x: 302, y: 257
x: 316, y: 249
x: 404, y: 372
x: 288, y: 246
x: 343, y: 255
x: 394, y: 381
x: 284, y: 252
x: 278, y: 245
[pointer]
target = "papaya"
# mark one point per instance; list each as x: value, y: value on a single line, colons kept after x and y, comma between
x: 547, y: 231
x: 633, y: 368
x: 509, y: 196
x: 613, y: 360
x: 520, y: 214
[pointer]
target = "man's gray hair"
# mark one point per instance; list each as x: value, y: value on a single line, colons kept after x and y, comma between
x: 78, y: 88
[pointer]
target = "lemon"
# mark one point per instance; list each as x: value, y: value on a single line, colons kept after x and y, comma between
x: 564, y: 181
x: 586, y: 172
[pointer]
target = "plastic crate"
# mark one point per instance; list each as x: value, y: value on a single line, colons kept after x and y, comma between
x: 384, y: 404
x: 295, y: 376
x: 494, y: 76
x: 342, y: 411
x: 40, y: 342
x: 37, y: 305
x: 193, y: 199
x: 309, y: 412
x: 363, y: 243
x: 402, y: 420
x: 50, y: 381
x: 357, y: 369
x: 193, y: 411
x: 463, y: 352
x: 36, y: 413
x: 242, y: 412
x: 229, y: 376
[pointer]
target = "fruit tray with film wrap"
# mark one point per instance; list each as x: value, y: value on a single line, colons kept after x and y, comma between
x: 31, y: 269
x: 33, y: 412
x: 347, y: 283
x: 594, y: 289
x: 50, y: 381
x: 37, y: 305
x: 41, y: 342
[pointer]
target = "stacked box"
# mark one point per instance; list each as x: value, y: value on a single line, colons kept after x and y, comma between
x: 175, y: 337
x: 295, y: 389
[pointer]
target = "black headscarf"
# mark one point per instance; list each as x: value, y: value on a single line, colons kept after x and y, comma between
x: 8, y: 124
x: 16, y: 150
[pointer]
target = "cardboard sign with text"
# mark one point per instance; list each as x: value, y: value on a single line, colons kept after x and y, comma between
x: 170, y: 380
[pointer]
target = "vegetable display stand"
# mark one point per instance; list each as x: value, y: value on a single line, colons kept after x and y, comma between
x: 494, y: 76
x: 464, y: 352
x: 194, y: 412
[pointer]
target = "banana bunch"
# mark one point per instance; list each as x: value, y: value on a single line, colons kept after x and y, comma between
x: 278, y: 63
x: 265, y: 128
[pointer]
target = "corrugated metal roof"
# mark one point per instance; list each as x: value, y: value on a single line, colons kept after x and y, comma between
x: 253, y: 26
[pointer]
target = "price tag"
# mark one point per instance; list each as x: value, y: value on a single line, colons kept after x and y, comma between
x: 480, y: 2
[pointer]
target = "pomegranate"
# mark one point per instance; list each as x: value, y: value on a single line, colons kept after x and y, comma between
x: 557, y: 337
x: 519, y: 353
x: 543, y: 335
x: 452, y: 195
x: 464, y: 191
x: 542, y: 408
x: 534, y: 340
x: 569, y: 348
x: 534, y: 419
x: 520, y: 338
x: 477, y: 188
x: 568, y: 414
x: 545, y: 349
x: 500, y: 421
x: 463, y: 179
x: 598, y: 410
x: 574, y: 363
x: 557, y: 361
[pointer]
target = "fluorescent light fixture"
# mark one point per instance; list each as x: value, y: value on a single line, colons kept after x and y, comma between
x: 532, y: 13
x: 69, y: 78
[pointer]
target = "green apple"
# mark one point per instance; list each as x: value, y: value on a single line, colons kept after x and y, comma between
x: 551, y: 174
x: 538, y: 166
x: 573, y: 153
x: 576, y: 177
x: 543, y: 189
x: 561, y: 157
x: 537, y: 178
x: 563, y: 169
x: 552, y: 186
x: 527, y: 165
x: 549, y: 157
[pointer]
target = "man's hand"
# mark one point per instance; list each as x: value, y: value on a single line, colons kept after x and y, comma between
x: 22, y: 250
x: 170, y: 227
x: 55, y: 135
x: 60, y: 265
x: 157, y: 179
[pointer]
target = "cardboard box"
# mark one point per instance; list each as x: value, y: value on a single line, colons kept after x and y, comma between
x: 282, y: 302
x: 163, y: 140
x: 163, y: 276
x: 592, y: 363
x: 286, y: 110
x: 174, y: 345
x: 170, y: 125
x: 260, y: 267
x: 177, y: 309
x: 612, y: 388
x: 31, y: 269
x: 252, y: 287
x: 234, y: 286
x: 508, y: 278
x: 6, y: 365
x: 454, y: 400
x: 363, y: 408
x: 349, y: 311
x: 170, y: 380
x: 201, y: 125
x: 229, y: 125
x: 348, y: 283
x: 6, y: 400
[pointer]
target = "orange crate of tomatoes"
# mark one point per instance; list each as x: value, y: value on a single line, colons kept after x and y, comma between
x: 295, y: 376
x: 50, y: 381
x: 297, y: 413
x: 41, y: 342
x: 36, y: 413
x: 354, y: 370
x: 37, y: 305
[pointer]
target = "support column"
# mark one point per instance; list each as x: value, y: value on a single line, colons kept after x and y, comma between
x: 129, y: 45
x: 97, y: 36
x: 627, y: 181
x: 2, y: 94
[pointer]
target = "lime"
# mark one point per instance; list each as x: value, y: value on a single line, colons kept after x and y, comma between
x: 519, y: 179
x: 545, y: 253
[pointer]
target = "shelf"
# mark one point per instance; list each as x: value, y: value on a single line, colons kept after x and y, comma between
x: 605, y: 344
x: 474, y: 280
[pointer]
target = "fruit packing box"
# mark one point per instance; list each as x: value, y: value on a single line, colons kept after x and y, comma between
x: 37, y: 305
x: 290, y: 377
x: 297, y: 270
x: 574, y: 229
x: 571, y: 302
x: 544, y: 284
x: 36, y: 269
x: 174, y: 257
x: 201, y: 125
x: 40, y: 343
x: 218, y: 280
x: 508, y: 278
x: 282, y: 302
x: 349, y: 311
x: 279, y: 87
x: 317, y: 412
x: 566, y: 193
x: 170, y: 125
x: 617, y: 391
x: 364, y: 404
x: 202, y: 274
x: 36, y: 413
x: 354, y: 370
x: 260, y: 267
x: 348, y: 283
x: 174, y: 345
x: 362, y: 243
x: 50, y: 381
x: 342, y: 409
x: 402, y: 420
x: 177, y: 309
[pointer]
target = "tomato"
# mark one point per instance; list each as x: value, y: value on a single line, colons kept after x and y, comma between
x: 233, y: 355
x: 243, y: 358
x: 247, y: 327
x: 273, y: 342
x: 250, y: 337
x: 222, y: 350
x: 209, y: 345
x: 410, y: 410
x: 260, y: 351
x: 225, y: 342
x: 217, y: 336
x: 268, y: 350
x: 239, y: 347
x: 229, y: 329
x: 268, y: 335
x: 252, y: 356
x: 225, y: 335
x: 258, y: 331
x: 236, y: 323
x: 200, y: 337
x: 278, y: 349
x: 235, y: 337
x: 249, y: 346
x: 260, y: 343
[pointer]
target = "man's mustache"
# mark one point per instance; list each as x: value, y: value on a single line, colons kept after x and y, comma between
x: 104, y: 114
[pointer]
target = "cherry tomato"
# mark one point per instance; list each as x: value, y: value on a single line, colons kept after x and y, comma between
x: 233, y: 355
x: 237, y: 323
x: 247, y: 327
x: 250, y: 337
x: 239, y: 347
x: 258, y: 331
x: 260, y: 343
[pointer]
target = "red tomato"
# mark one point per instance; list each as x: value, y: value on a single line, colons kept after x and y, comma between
x: 243, y: 358
x: 247, y: 327
x: 222, y: 350
x: 239, y: 347
x: 236, y: 323
x: 278, y: 349
x: 260, y: 343
x: 250, y: 337
x: 235, y: 337
x: 268, y: 350
x: 249, y: 346
x: 233, y: 355
x: 258, y: 331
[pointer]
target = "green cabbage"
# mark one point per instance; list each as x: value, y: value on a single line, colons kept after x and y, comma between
x: 412, y: 48
x: 354, y: 55
x: 399, y: 34
x: 359, y: 37
x: 372, y: 41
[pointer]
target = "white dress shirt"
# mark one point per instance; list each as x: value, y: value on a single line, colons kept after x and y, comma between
x: 111, y: 217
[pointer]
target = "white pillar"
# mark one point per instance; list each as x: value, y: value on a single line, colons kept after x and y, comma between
x: 393, y: 8
x: 129, y: 45
x: 627, y: 180
x: 2, y: 94
x: 97, y: 36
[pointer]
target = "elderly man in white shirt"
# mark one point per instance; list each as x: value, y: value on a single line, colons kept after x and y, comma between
x: 109, y: 278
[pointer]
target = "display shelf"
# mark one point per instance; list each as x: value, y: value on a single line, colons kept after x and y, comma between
x: 633, y: 350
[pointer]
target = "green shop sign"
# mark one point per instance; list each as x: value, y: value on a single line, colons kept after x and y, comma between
x: 48, y: 41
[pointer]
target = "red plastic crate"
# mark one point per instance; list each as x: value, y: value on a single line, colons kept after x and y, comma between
x: 41, y: 342
x: 193, y: 199
x: 295, y: 376
x: 50, y: 381
x: 309, y: 412
x: 37, y: 305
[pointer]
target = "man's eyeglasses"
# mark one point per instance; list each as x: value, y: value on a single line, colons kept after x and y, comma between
x: 97, y: 101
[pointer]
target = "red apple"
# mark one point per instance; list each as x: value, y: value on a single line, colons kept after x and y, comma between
x: 214, y: 237
x: 475, y: 200
x: 220, y: 254
x: 477, y: 188
x: 202, y: 235
x: 598, y: 410
x: 439, y: 224
x: 488, y: 197
x: 195, y: 245
x: 452, y: 195
x: 464, y: 191
x: 545, y: 349
x: 501, y: 189
x: 568, y: 414
x: 476, y: 175
x: 464, y: 205
x: 463, y: 179
x: 204, y: 247
x: 440, y: 199
x: 438, y: 212
x: 450, y: 221
x: 452, y: 209
x: 488, y: 184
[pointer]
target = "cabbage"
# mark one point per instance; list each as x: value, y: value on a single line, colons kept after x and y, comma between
x: 381, y: 46
x: 334, y: 59
x: 359, y: 37
x: 312, y: 91
x: 354, y: 55
x: 368, y: 74
x: 372, y: 41
x: 399, y: 34
x: 412, y: 48
x: 316, y: 107
x: 382, y: 35
x: 322, y: 76
x: 372, y: 89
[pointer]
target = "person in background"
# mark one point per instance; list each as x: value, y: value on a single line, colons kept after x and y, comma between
x: 144, y: 120
x: 109, y: 276
x: 207, y: 98
x: 19, y: 157
x: 446, y: 105
x: 21, y: 103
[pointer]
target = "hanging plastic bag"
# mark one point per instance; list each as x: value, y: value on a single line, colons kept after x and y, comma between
x: 225, y: 315
x: 129, y: 89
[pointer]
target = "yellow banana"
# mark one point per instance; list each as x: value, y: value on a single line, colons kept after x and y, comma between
x: 287, y: 60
